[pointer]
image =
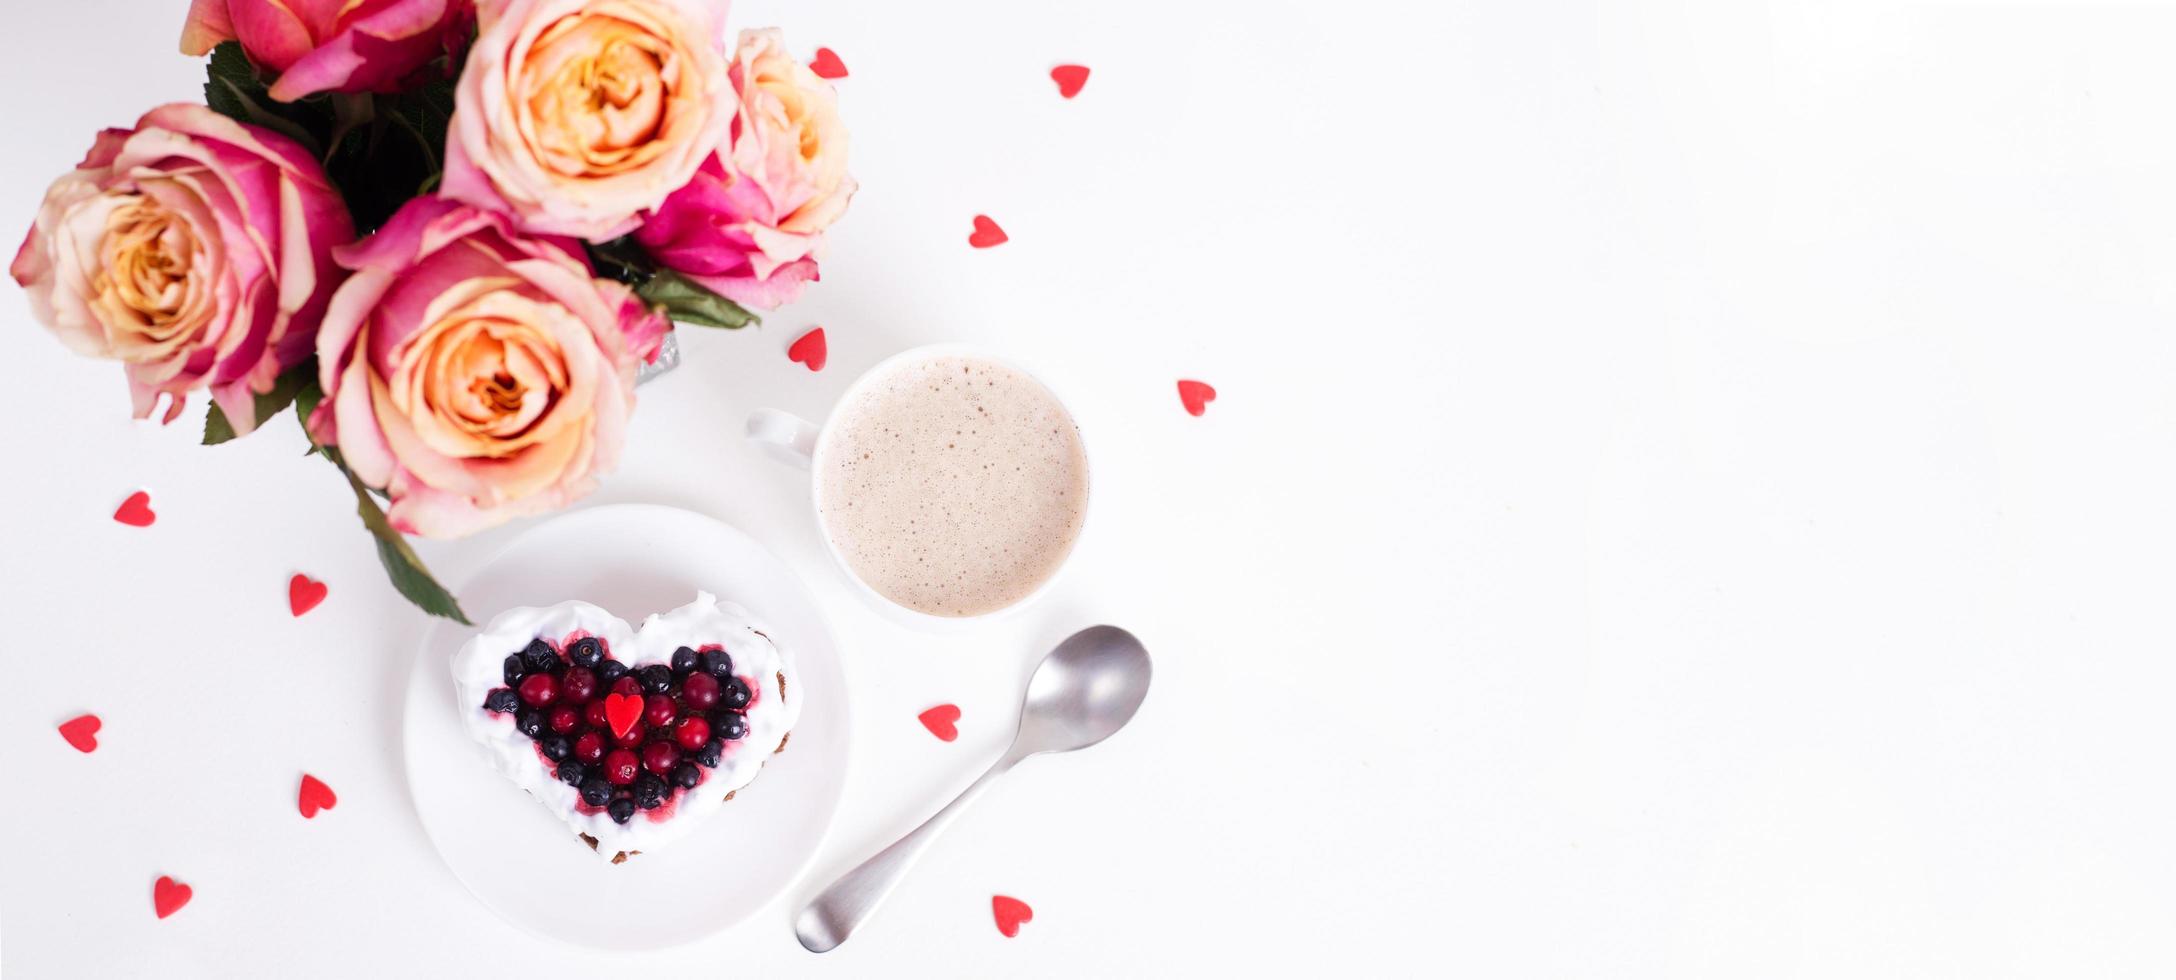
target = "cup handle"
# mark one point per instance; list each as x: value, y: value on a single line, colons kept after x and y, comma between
x: 788, y: 438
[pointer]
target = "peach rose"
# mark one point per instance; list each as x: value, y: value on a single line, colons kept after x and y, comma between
x: 750, y: 225
x: 475, y: 374
x: 575, y: 116
x: 195, y: 250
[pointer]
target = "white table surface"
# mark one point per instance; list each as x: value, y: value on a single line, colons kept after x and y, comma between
x: 1690, y: 496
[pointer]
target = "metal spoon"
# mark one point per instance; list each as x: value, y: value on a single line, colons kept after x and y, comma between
x: 1085, y: 689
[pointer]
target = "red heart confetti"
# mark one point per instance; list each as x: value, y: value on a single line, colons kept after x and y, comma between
x: 942, y: 721
x: 1010, y: 912
x: 304, y: 593
x: 987, y: 233
x: 622, y: 711
x: 827, y: 64
x: 315, y: 796
x: 810, y: 350
x: 81, y: 732
x: 1196, y: 396
x: 136, y: 510
x: 168, y: 896
x: 1069, y: 78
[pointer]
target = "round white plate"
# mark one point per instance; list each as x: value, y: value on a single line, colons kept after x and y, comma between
x: 521, y: 860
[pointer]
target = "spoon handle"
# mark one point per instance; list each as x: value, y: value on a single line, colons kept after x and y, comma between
x: 834, y: 913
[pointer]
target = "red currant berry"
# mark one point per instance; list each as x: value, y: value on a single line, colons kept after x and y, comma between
x: 589, y: 747
x: 692, y: 731
x: 562, y: 718
x: 700, y: 691
x: 620, y: 767
x: 628, y: 686
x: 660, y: 757
x: 578, y: 685
x: 593, y: 715
x: 539, y: 690
x: 659, y: 710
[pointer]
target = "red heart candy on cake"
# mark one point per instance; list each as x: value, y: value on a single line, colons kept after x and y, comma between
x: 315, y: 796
x: 942, y: 721
x: 827, y: 64
x: 810, y: 350
x: 1069, y: 78
x: 304, y: 593
x: 1010, y: 912
x: 1196, y: 396
x: 622, y: 712
x: 986, y: 233
x: 81, y: 732
x: 168, y: 896
x: 136, y: 510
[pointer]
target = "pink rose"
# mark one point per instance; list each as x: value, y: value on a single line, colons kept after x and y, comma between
x: 475, y: 374
x: 195, y: 250
x: 575, y: 116
x: 327, y: 45
x: 751, y: 223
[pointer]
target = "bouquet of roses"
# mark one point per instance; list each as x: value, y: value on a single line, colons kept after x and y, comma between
x: 447, y: 232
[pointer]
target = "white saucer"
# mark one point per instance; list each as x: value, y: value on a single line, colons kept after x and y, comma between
x: 634, y: 560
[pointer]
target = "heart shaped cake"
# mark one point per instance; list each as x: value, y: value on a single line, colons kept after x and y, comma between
x: 632, y: 736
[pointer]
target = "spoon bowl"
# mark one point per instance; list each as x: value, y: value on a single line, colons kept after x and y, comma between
x: 1085, y: 690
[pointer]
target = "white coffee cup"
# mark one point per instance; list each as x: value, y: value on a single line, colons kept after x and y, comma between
x: 800, y: 443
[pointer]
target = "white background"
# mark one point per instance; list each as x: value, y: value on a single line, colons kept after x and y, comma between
x: 1689, y: 497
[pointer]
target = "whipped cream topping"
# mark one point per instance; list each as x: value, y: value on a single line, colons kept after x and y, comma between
x: 757, y: 660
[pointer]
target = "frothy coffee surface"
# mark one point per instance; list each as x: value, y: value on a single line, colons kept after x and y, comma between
x: 953, y: 486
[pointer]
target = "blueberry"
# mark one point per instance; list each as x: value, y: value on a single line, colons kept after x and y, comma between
x: 501, y: 701
x: 570, y: 773
x: 649, y: 791
x: 556, y: 747
x: 539, y: 657
x: 729, y: 725
x: 717, y: 664
x: 656, y: 678
x: 529, y: 722
x: 709, y: 754
x: 684, y: 661
x: 609, y: 671
x: 686, y: 776
x: 621, y: 811
x: 596, y: 792
x: 734, y: 694
x: 514, y: 669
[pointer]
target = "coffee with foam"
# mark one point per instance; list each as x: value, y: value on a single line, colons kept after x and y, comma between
x: 952, y: 485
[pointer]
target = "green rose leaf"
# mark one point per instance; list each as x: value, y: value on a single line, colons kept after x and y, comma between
x: 230, y: 82
x: 218, y: 428
x: 306, y: 402
x: 688, y: 301
x: 233, y: 89
x: 623, y: 259
x: 410, y: 578
x: 402, y: 566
